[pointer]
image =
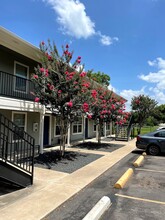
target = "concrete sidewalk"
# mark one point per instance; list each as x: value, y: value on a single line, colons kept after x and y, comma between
x: 52, y: 188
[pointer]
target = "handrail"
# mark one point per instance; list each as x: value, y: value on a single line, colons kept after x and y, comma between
x: 16, y: 146
x: 16, y: 87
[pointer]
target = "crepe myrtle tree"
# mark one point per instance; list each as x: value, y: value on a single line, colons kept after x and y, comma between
x: 142, y: 107
x: 60, y: 86
x: 103, y: 107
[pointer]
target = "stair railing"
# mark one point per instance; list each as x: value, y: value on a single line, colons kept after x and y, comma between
x: 16, y: 146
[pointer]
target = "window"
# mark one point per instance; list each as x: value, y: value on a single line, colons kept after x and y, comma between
x: 20, y: 120
x: 160, y: 134
x: 94, y: 127
x: 57, y: 126
x: 107, y: 126
x: 21, y: 72
x: 77, y: 126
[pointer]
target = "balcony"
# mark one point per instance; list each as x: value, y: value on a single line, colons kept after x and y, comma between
x: 16, y: 87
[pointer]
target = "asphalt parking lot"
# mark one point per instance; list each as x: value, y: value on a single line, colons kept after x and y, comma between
x: 143, y: 196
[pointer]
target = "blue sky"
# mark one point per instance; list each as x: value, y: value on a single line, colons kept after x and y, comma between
x: 122, y: 38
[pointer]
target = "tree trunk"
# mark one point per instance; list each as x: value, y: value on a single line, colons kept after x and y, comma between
x: 99, y: 133
x: 63, y: 137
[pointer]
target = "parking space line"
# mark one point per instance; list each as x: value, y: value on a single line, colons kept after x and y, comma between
x: 155, y: 158
x: 140, y: 199
x: 156, y: 171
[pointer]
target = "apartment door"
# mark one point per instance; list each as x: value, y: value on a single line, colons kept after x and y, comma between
x: 86, y: 128
x: 46, y: 130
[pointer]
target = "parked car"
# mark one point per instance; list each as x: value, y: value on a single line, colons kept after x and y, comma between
x: 153, y: 143
x: 160, y: 128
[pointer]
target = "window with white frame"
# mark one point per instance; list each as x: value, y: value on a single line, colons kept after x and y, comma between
x: 21, y: 72
x: 77, y: 126
x: 20, y: 120
x: 57, y: 126
x: 107, y: 126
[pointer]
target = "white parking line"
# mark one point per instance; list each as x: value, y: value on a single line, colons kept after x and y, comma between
x: 155, y: 158
x: 156, y: 171
x: 141, y: 199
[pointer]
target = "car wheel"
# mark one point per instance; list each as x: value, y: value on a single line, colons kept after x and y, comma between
x: 153, y: 150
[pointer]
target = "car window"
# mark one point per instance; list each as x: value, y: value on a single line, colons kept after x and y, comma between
x: 160, y: 134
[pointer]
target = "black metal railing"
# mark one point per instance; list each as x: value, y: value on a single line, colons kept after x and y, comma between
x: 16, y: 87
x: 124, y: 132
x: 16, y: 146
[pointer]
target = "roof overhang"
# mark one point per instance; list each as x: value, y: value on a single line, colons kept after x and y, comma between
x: 15, y: 43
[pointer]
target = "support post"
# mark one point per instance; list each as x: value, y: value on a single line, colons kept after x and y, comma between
x: 105, y: 130
x: 68, y: 138
x: 42, y: 116
x: 84, y: 128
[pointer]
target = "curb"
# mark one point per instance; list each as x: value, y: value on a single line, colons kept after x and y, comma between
x: 98, y: 210
x: 139, y: 161
x: 123, y: 179
x: 144, y: 154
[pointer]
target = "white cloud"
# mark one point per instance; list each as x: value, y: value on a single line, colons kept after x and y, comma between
x: 75, y: 22
x: 151, y: 63
x: 158, y: 62
x: 110, y: 87
x: 73, y: 18
x: 106, y: 40
x: 157, y: 78
x: 129, y: 94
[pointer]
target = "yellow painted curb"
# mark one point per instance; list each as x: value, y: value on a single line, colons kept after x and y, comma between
x: 144, y: 154
x: 123, y: 179
x: 139, y: 161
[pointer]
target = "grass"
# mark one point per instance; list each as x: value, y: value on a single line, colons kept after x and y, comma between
x: 145, y: 130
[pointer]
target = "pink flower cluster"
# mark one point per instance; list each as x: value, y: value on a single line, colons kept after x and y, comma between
x: 103, y: 112
x: 37, y: 99
x: 85, y: 107
x: 137, y: 101
x: 70, y: 104
x: 89, y: 116
x: 83, y: 74
x: 48, y: 56
x: 66, y: 52
x: 35, y: 76
x: 51, y: 87
x: 43, y: 70
x: 78, y: 59
x: 94, y: 93
x: 69, y: 75
x: 113, y: 107
x: 87, y: 85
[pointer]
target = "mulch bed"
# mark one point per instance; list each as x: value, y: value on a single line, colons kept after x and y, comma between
x: 73, y: 161
x: 69, y: 163
x: 105, y: 147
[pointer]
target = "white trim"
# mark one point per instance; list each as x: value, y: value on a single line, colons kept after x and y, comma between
x: 21, y: 113
x: 21, y: 64
x: 20, y: 105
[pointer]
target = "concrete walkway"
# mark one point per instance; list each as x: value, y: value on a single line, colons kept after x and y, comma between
x: 52, y: 188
